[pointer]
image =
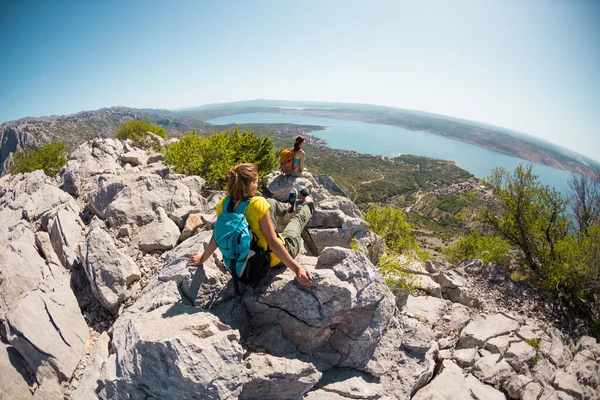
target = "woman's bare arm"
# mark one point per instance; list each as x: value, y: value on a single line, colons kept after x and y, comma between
x: 303, y: 276
x: 302, y: 156
x: 197, y: 259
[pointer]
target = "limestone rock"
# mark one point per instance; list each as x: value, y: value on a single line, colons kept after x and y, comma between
x: 33, y: 193
x: 568, y: 383
x: 350, y: 383
x: 136, y: 157
x: 175, y: 352
x: 65, y: 230
x: 135, y: 204
x: 519, y: 356
x: 490, y: 369
x: 484, y: 328
x: 466, y: 357
x: 88, y: 383
x: 426, y: 309
x: 452, y: 384
x: 15, y: 382
x: 46, y: 327
x: 192, y: 223
x: 160, y: 234
x: 109, y: 271
x: 71, y: 178
x: 270, y: 377
x: 348, y: 303
x: 102, y: 191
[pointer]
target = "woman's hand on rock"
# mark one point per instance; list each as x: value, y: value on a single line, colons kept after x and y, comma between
x: 304, y: 277
x: 195, y: 259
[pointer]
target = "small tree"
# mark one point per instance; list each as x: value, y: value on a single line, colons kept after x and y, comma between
x: 530, y: 216
x: 212, y: 157
x: 585, y: 200
x: 389, y: 223
x: 50, y: 158
x: 487, y: 248
x: 136, y: 130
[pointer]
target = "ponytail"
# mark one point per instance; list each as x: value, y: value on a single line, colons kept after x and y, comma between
x: 298, y: 142
x: 239, y: 179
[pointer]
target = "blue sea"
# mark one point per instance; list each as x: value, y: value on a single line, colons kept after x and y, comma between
x: 386, y: 140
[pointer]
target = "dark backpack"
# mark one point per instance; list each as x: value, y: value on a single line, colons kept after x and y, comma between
x: 286, y: 159
x: 242, y: 256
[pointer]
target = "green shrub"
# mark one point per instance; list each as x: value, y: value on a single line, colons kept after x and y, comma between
x: 212, y: 157
x: 529, y: 215
x: 389, y: 223
x: 486, y: 248
x: 396, y: 274
x: 576, y: 270
x: 136, y: 129
x: 50, y: 158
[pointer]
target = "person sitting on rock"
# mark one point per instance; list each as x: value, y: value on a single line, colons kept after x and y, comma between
x: 242, y: 183
x: 298, y: 159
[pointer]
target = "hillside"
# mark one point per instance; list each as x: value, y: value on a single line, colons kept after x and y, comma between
x: 97, y: 301
x: 484, y: 135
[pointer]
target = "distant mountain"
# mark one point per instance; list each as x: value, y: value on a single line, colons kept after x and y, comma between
x: 484, y: 135
x: 77, y: 128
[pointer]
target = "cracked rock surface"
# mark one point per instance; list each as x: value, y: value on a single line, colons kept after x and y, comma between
x: 97, y: 302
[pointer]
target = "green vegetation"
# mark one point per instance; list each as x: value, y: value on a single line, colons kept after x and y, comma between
x: 486, y: 248
x: 532, y: 218
x: 535, y: 344
x: 212, y: 157
x: 389, y: 223
x: 136, y: 130
x: 50, y: 158
x: 380, y: 180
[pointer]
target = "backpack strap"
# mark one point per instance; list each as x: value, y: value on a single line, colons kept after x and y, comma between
x: 241, y: 207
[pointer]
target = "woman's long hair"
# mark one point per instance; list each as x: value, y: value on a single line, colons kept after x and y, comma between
x: 299, y: 141
x: 239, y: 179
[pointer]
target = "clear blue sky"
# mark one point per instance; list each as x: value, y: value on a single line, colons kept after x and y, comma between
x: 529, y: 65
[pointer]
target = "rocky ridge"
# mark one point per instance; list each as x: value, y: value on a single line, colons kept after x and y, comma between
x: 97, y: 301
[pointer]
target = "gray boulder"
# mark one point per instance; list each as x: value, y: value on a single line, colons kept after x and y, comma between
x: 350, y: 383
x: 451, y: 383
x: 65, y: 229
x: 71, y: 178
x: 33, y: 193
x: 137, y: 202
x: 486, y: 327
x: 109, y: 271
x: 101, y: 191
x: 174, y: 352
x: 160, y: 234
x: 337, y: 322
x: 47, y: 329
x: 15, y: 382
x: 270, y: 377
x: 136, y: 157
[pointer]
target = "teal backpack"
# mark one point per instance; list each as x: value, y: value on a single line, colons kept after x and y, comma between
x: 242, y: 257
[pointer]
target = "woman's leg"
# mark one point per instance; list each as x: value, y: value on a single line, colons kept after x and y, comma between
x: 293, y: 230
x: 277, y: 209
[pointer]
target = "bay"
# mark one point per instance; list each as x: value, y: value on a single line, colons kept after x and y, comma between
x: 387, y: 140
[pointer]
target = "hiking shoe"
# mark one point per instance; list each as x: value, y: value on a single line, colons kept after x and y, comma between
x: 303, y: 191
x: 292, y: 197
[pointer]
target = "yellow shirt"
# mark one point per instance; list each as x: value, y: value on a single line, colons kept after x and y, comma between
x: 257, y: 208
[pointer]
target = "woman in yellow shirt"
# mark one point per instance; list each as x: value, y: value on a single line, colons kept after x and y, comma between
x: 242, y: 183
